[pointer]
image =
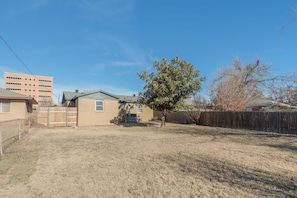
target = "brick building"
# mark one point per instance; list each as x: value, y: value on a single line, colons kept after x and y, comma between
x: 38, y: 87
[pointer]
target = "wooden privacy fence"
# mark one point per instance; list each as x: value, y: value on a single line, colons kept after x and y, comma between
x: 56, y: 116
x: 281, y: 122
x: 180, y: 117
x: 12, y: 130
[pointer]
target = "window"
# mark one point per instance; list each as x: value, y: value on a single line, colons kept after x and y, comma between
x: 12, y: 77
x: 13, y: 83
x: 99, y: 105
x: 139, y: 108
x: 4, y: 106
x: 45, y: 86
x: 45, y: 80
x: 13, y: 89
x: 44, y: 91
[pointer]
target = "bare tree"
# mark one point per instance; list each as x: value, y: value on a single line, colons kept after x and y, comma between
x: 237, y: 85
x: 199, y: 105
x: 284, y: 89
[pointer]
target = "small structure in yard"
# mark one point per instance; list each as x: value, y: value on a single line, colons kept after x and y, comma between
x: 14, y: 105
x: 100, y: 108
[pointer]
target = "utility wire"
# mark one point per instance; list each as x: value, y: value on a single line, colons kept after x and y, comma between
x: 10, y: 48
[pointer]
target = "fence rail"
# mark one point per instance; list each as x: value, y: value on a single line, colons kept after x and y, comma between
x: 56, y: 116
x: 12, y: 130
x: 281, y: 122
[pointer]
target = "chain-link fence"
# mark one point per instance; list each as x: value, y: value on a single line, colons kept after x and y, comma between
x: 11, y: 131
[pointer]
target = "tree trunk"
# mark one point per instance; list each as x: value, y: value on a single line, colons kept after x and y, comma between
x: 163, y: 119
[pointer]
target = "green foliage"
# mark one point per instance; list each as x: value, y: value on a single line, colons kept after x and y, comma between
x: 174, y: 82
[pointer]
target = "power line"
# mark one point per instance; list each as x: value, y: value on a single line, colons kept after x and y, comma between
x: 11, y: 49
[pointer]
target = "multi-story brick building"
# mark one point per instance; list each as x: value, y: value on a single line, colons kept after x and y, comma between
x: 38, y: 87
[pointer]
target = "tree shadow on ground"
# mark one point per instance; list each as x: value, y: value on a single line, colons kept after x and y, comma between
x: 255, y: 181
x: 285, y: 147
x: 286, y: 142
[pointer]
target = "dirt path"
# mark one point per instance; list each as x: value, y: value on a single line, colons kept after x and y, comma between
x: 149, y: 161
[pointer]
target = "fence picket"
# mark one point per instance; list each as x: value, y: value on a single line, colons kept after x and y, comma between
x: 282, y: 122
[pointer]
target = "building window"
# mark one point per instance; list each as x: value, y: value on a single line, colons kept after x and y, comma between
x: 45, y: 86
x: 45, y: 80
x: 44, y: 91
x: 99, y: 105
x: 139, y: 108
x: 13, y: 83
x: 12, y: 77
x: 13, y: 89
x: 4, y: 106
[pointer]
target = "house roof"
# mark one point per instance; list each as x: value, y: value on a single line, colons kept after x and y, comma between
x: 6, y: 94
x: 262, y: 103
x: 267, y: 103
x: 128, y: 99
x: 93, y: 92
x: 68, y: 96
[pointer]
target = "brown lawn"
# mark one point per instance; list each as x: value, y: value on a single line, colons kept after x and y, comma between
x: 149, y: 161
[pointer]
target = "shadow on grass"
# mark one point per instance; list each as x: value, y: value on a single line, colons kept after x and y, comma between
x: 255, y: 181
x: 284, y: 147
x: 140, y: 124
x: 197, y: 130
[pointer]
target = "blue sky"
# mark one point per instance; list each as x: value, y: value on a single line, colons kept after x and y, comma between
x: 102, y: 44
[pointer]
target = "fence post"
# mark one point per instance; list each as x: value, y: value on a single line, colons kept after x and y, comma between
x: 66, y: 116
x: 1, y: 150
x: 48, y: 116
x: 19, y: 128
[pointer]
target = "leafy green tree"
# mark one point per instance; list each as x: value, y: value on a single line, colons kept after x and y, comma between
x: 168, y: 87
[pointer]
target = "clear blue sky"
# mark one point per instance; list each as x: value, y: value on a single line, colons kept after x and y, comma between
x: 102, y: 44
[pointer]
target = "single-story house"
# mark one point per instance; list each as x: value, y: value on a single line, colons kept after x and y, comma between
x: 100, y: 107
x: 14, y: 105
x: 268, y: 105
x: 67, y: 97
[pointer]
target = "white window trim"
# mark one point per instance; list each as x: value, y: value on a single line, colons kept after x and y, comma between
x: 139, y: 110
x: 98, y: 105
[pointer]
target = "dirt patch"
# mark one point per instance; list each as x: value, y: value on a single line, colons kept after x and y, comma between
x: 149, y: 161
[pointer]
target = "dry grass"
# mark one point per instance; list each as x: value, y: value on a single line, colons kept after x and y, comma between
x: 149, y: 161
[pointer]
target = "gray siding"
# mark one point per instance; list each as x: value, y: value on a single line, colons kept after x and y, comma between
x: 97, y: 96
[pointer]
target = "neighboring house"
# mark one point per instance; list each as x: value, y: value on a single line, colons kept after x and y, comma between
x: 14, y: 105
x: 268, y: 105
x: 67, y: 97
x: 100, y: 107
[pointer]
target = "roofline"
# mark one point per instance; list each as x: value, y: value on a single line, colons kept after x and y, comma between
x: 93, y: 92
x: 29, y: 99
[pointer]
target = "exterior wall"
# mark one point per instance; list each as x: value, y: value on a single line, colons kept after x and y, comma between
x: 88, y: 116
x: 113, y: 110
x: 144, y: 116
x: 38, y: 87
x: 18, y: 110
